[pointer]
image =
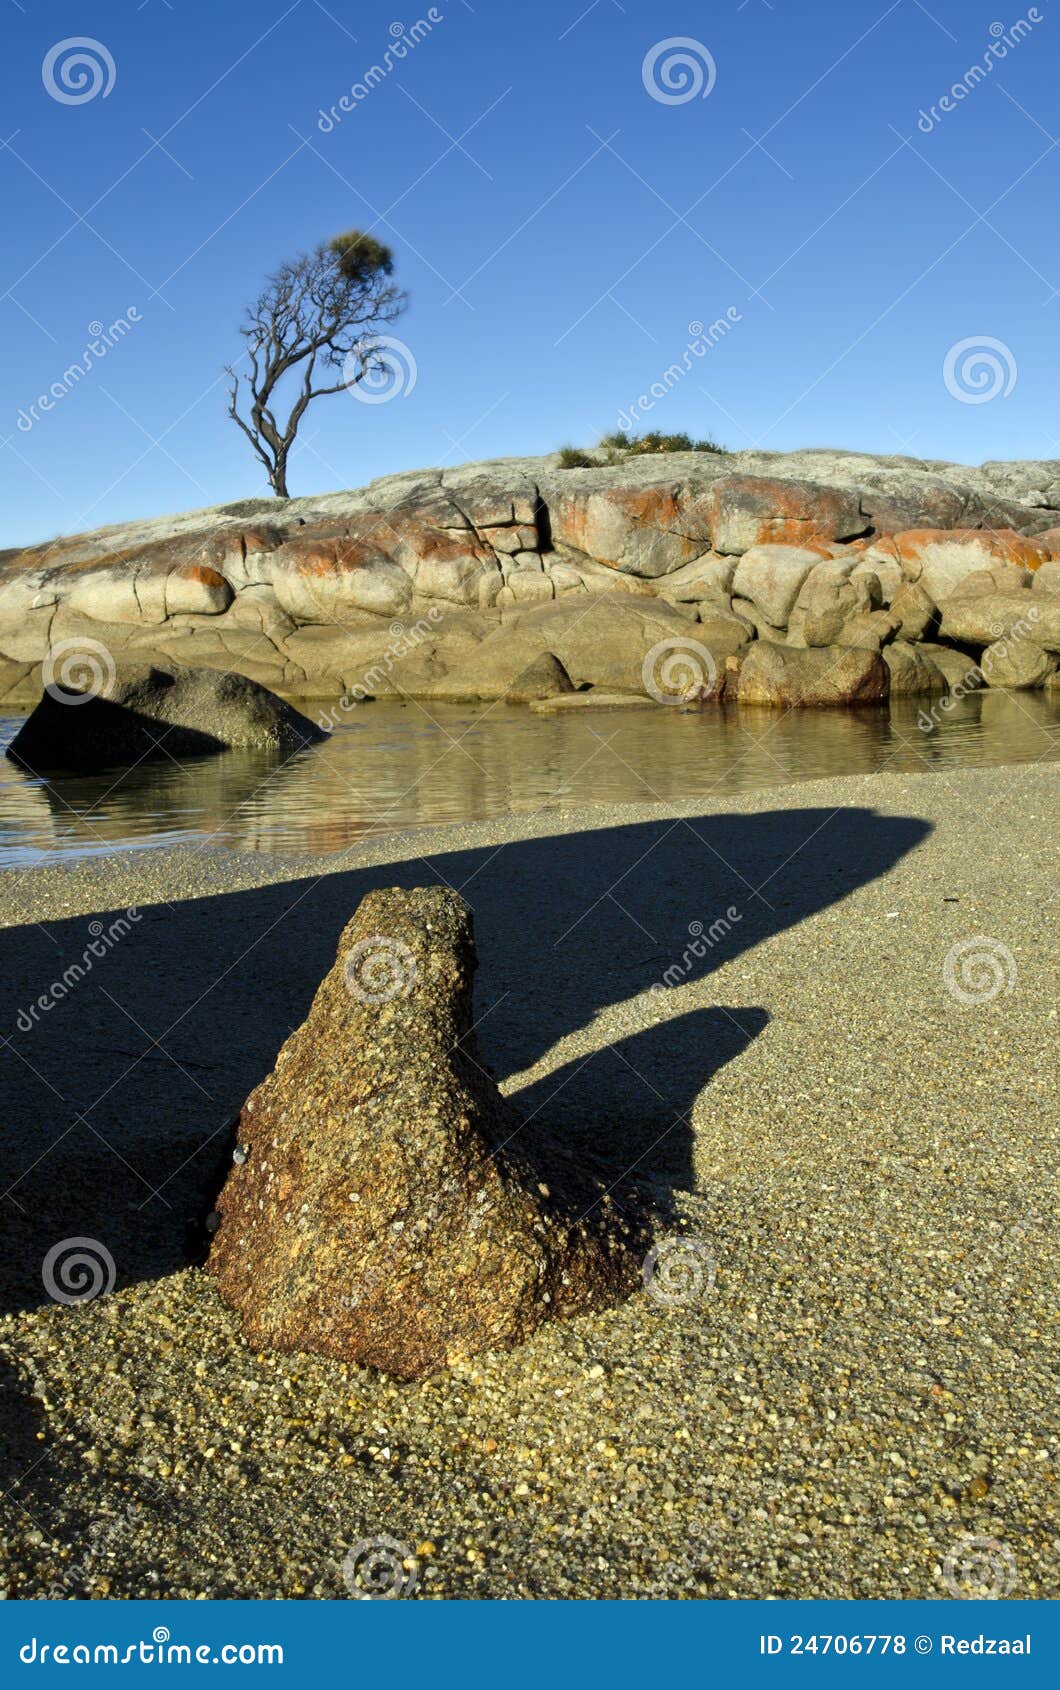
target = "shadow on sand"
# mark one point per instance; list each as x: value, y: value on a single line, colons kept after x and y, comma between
x: 117, y: 1099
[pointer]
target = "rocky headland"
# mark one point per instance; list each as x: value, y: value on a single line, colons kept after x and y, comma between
x: 808, y: 578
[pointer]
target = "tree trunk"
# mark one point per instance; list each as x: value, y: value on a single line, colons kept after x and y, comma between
x: 278, y: 478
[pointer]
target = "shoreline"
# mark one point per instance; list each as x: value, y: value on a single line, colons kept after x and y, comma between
x: 133, y: 868
x: 399, y: 769
x: 861, y: 1382
x: 815, y: 579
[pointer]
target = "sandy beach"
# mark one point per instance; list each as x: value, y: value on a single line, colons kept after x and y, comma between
x: 839, y: 1380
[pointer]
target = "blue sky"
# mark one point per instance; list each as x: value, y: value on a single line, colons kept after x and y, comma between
x: 558, y: 227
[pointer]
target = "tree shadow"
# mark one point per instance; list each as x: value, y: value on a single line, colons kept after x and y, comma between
x: 121, y: 1081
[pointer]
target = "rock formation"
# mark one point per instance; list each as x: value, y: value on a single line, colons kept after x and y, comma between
x: 95, y: 720
x: 784, y: 676
x: 416, y: 584
x: 379, y: 1209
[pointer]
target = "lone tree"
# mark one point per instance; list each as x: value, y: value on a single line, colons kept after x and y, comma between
x: 319, y: 313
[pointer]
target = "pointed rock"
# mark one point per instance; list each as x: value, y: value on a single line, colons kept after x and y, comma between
x: 382, y: 1212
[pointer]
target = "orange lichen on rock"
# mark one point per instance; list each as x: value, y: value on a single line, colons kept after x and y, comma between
x: 646, y: 531
x: 202, y: 573
x: 756, y: 510
x: 1001, y: 545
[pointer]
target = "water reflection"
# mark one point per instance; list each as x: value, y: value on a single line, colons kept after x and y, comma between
x: 410, y: 765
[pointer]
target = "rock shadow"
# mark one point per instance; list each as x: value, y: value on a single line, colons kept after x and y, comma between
x: 120, y: 1092
x: 651, y: 1080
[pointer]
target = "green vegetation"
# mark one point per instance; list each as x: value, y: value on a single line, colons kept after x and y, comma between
x: 360, y: 257
x: 615, y: 447
x: 314, y: 329
x: 655, y: 442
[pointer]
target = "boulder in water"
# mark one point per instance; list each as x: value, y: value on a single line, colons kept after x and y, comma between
x: 94, y: 717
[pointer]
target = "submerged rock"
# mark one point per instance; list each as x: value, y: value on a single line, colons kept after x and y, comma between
x: 1016, y: 663
x: 505, y: 665
x: 131, y: 715
x: 383, y: 1214
x: 960, y: 672
x: 912, y: 672
x: 793, y: 677
x: 544, y: 677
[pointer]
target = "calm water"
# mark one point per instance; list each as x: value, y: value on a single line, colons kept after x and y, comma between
x: 406, y: 765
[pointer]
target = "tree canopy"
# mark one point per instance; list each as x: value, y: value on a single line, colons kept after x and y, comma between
x: 316, y: 321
